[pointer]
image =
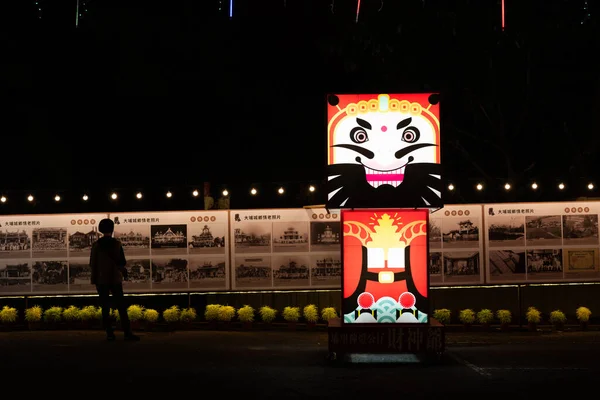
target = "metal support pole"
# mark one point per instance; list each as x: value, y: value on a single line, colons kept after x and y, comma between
x: 77, y: 14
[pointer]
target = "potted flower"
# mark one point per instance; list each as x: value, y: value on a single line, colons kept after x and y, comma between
x: 149, y: 316
x: 171, y: 316
x: 8, y: 317
x: 87, y: 315
x: 33, y: 317
x: 188, y: 316
x: 267, y: 315
x: 226, y: 315
x: 246, y: 316
x: 211, y: 315
x: 311, y: 315
x: 466, y: 317
x: 53, y: 317
x: 442, y: 315
x: 135, y: 313
x: 71, y: 315
x: 583, y: 316
x: 328, y: 313
x: 291, y: 315
x: 558, y: 319
x: 534, y: 317
x: 485, y: 318
x: 505, y: 318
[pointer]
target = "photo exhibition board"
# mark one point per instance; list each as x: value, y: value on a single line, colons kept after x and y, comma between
x: 174, y: 251
x: 285, y: 249
x: 383, y: 150
x: 456, y: 245
x: 385, y: 273
x: 542, y: 242
x: 46, y: 254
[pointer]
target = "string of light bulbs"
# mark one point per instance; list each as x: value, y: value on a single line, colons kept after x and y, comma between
x: 169, y: 194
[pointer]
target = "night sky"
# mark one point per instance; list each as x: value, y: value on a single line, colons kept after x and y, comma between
x: 173, y: 94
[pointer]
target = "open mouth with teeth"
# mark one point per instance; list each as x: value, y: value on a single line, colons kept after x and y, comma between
x: 392, y: 177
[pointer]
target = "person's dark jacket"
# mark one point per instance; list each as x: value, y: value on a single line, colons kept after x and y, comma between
x: 107, y: 261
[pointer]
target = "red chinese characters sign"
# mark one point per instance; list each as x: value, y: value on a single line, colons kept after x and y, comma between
x: 385, y: 277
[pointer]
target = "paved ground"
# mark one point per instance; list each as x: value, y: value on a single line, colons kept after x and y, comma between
x: 276, y: 364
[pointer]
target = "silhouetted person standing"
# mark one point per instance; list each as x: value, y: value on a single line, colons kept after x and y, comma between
x: 107, y: 261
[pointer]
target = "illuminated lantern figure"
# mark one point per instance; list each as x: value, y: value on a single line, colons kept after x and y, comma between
x: 384, y: 151
x: 364, y: 313
x: 385, y: 266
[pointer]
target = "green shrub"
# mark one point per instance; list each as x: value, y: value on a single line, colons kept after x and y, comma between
x: 172, y: 314
x: 150, y: 315
x: 34, y: 314
x: 466, y: 316
x: 53, y: 314
x: 211, y: 313
x: 88, y: 313
x: 8, y: 315
x: 442, y: 315
x: 267, y: 314
x: 291, y: 314
x: 311, y: 313
x: 135, y: 312
x: 485, y: 316
x: 533, y: 315
x: 557, y: 317
x: 583, y: 314
x: 504, y: 316
x: 328, y: 313
x: 71, y: 314
x: 246, y: 314
x: 188, y: 315
x: 226, y: 313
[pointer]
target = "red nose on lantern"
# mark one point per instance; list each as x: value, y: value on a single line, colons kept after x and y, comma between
x: 407, y: 300
x: 365, y: 300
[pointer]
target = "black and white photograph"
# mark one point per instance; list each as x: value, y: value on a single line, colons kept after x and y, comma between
x: 461, y: 266
x: 169, y: 273
x: 207, y: 238
x: 507, y: 265
x: 15, y: 277
x: 326, y: 270
x: 138, y: 275
x: 544, y: 230
x: 81, y: 241
x: 435, y: 267
x: 506, y: 231
x: 80, y: 275
x: 134, y: 238
x: 545, y: 264
x: 291, y: 271
x: 253, y: 237
x: 581, y: 263
x: 290, y: 237
x: 253, y: 272
x: 461, y: 232
x: 208, y: 273
x: 49, y: 242
x: 15, y: 243
x: 580, y: 230
x: 50, y: 276
x: 435, y: 233
x: 325, y: 236
x: 168, y: 239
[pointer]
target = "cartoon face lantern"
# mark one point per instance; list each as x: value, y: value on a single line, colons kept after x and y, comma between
x: 385, y: 276
x: 384, y: 151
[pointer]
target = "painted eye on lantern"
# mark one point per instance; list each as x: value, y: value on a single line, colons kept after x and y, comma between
x: 359, y: 135
x: 411, y: 134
